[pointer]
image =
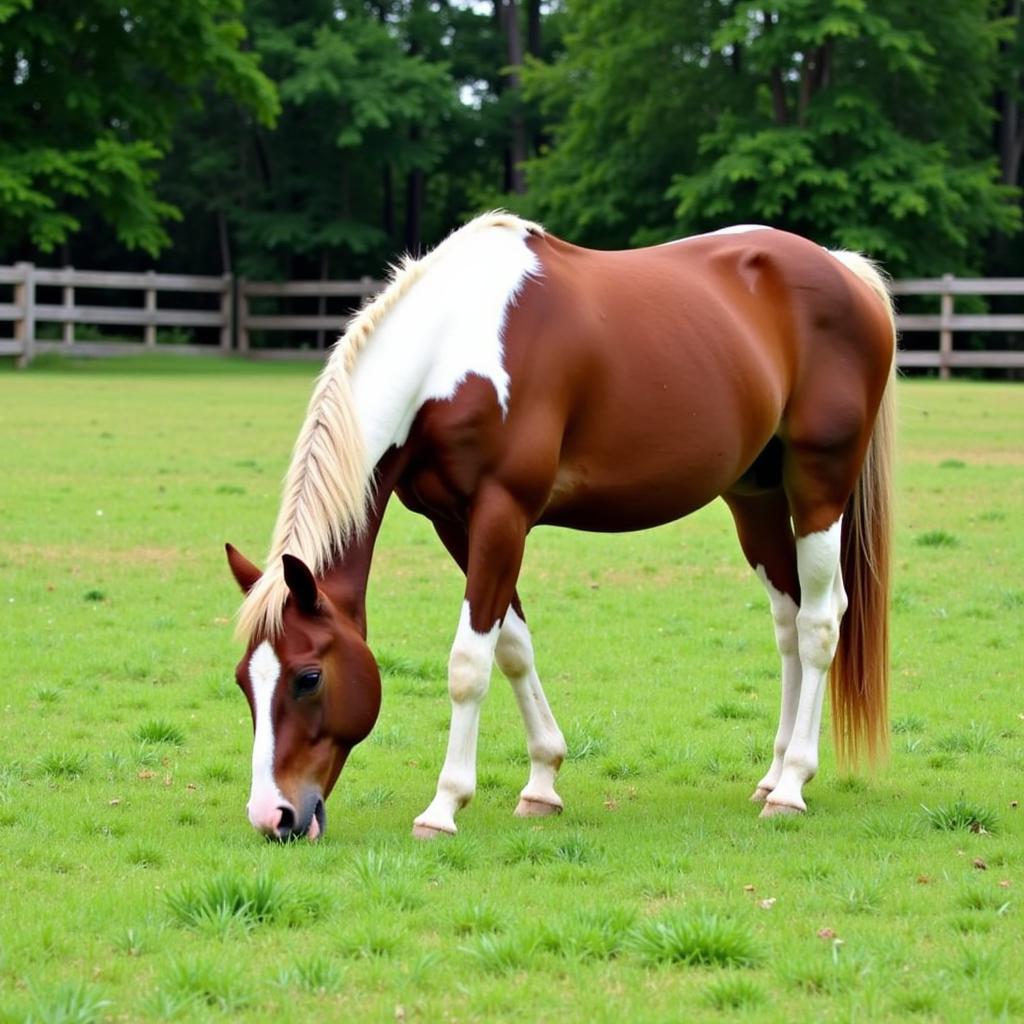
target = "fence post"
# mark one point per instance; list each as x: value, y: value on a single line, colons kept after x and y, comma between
x: 150, y: 328
x: 25, y: 327
x: 68, y: 301
x: 945, y: 328
x: 225, y: 313
x: 243, y: 316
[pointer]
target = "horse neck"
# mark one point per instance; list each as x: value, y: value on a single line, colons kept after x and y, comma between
x: 344, y: 580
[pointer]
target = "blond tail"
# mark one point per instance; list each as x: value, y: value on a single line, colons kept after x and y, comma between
x: 859, y: 678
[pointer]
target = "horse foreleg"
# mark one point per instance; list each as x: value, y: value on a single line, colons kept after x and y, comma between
x: 762, y: 524
x: 469, y: 675
x: 544, y: 741
x: 497, y: 534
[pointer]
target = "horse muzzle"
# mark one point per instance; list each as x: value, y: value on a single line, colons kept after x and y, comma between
x: 284, y: 822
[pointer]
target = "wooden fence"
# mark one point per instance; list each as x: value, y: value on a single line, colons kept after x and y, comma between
x: 233, y: 321
x: 948, y: 322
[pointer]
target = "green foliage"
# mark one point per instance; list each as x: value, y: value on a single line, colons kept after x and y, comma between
x: 861, y: 125
x: 120, y: 78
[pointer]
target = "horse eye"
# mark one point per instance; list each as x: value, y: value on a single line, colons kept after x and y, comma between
x: 306, y: 684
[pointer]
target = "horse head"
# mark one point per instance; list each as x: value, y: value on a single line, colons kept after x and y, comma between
x: 314, y: 693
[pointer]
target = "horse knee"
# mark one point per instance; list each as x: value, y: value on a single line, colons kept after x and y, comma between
x: 469, y: 674
x: 514, y: 651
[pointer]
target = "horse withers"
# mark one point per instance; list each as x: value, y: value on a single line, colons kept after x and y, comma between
x: 509, y: 379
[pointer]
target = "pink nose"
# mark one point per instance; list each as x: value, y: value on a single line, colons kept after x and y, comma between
x: 270, y: 817
x: 268, y: 822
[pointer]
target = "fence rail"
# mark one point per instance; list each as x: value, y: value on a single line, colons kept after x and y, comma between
x: 233, y: 321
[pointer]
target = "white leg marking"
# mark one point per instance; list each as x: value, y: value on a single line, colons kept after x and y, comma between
x: 822, y: 603
x: 544, y: 741
x: 265, y: 799
x: 469, y: 677
x: 784, y: 612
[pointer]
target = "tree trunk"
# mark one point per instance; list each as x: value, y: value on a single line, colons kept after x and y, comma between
x: 415, y: 188
x: 780, y: 108
x: 321, y: 301
x: 509, y: 20
x: 388, y: 203
x: 225, y: 242
x: 1011, y: 118
x: 533, y: 27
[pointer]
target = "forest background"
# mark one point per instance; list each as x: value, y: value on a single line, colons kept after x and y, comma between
x: 319, y: 138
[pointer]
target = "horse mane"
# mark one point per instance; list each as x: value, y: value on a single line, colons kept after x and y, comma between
x: 328, y: 486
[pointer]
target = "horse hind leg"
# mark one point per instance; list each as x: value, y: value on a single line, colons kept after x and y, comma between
x: 762, y: 524
x: 544, y: 741
x: 818, y: 483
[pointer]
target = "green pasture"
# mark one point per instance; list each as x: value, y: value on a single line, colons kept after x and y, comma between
x: 132, y: 887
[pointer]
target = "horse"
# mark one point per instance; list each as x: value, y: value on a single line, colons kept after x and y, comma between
x: 508, y: 379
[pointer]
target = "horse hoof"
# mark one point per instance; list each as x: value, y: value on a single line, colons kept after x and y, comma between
x: 771, y: 810
x: 428, y: 832
x: 760, y: 795
x: 528, y: 808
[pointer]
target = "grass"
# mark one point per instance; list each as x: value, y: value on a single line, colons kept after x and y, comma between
x: 134, y: 888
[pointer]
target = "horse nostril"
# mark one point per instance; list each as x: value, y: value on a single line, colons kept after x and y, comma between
x: 286, y: 826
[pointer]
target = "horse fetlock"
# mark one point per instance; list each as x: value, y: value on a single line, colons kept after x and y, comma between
x: 548, y: 750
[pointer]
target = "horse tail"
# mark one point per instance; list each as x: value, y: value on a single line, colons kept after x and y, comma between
x: 859, y: 677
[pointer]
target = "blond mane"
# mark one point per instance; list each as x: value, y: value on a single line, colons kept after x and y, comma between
x: 328, y: 485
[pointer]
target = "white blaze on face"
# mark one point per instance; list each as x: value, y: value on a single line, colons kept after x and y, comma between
x: 265, y: 799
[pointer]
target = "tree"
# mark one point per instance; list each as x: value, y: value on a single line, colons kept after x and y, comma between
x: 89, y: 98
x: 859, y: 124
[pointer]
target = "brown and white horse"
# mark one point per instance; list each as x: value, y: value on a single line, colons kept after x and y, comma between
x: 508, y: 379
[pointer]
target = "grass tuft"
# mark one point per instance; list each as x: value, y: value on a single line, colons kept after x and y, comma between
x: 979, y: 897
x: 702, y: 938
x: 377, y: 941
x: 585, y: 738
x: 190, y: 982
x: 962, y: 816
x: 477, y: 919
x: 159, y: 730
x: 908, y: 724
x: 233, y: 902
x: 528, y: 848
x: 386, y: 876
x: 597, y: 933
x: 69, y: 1004
x: 734, y: 993
x: 500, y: 954
x: 316, y: 974
x: 858, y: 895
x: 937, y: 539
x: 977, y: 739
x: 62, y: 765
x: 731, y: 710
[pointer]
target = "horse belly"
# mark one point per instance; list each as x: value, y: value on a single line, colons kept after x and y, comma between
x: 609, y: 498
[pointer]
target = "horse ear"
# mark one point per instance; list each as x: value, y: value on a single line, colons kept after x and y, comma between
x: 301, y: 584
x: 245, y: 573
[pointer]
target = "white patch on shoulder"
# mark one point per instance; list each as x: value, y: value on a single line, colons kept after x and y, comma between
x: 447, y: 327
x: 734, y: 229
x: 264, y: 796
